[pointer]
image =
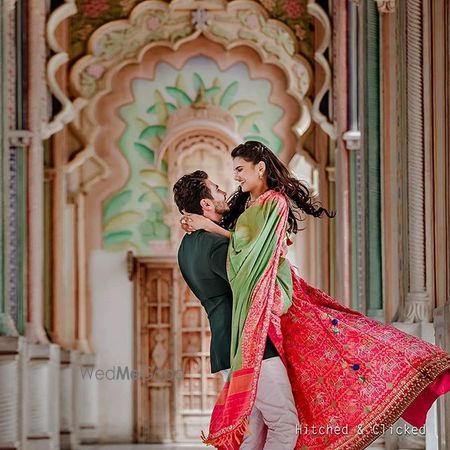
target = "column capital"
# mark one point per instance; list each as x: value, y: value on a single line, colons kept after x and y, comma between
x: 386, y: 6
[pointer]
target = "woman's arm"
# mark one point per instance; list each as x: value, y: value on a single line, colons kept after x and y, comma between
x: 197, y: 222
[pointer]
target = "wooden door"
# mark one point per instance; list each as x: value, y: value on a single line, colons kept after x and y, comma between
x: 174, y: 389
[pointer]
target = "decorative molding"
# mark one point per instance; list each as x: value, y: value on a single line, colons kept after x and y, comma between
x: 67, y: 113
x: 352, y: 139
x: 386, y: 6
x: 317, y: 12
x: 416, y: 309
x: 201, y: 19
x: 331, y: 173
x: 92, y: 168
x: 19, y: 138
x: 210, y: 5
x: 10, y: 5
x: 209, y: 117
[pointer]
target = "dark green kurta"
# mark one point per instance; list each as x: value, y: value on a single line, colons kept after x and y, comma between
x: 202, y: 260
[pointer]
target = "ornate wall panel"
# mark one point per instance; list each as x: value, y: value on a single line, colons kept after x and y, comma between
x: 218, y: 101
x: 94, y: 13
x: 135, y: 215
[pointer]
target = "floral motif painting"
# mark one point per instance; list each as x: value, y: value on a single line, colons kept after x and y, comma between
x: 134, y: 216
x: 94, y: 13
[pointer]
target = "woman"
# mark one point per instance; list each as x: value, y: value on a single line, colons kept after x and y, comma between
x: 352, y: 377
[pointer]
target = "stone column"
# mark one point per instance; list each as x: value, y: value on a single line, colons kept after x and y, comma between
x: 7, y: 121
x: 11, y: 350
x: 87, y: 399
x: 68, y: 410
x: 347, y: 80
x: 417, y: 307
x: 41, y: 397
x: 37, y: 98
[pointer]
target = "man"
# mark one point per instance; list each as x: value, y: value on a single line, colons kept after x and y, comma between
x: 202, y: 260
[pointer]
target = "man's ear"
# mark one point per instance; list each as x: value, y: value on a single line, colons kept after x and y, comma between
x: 205, y: 203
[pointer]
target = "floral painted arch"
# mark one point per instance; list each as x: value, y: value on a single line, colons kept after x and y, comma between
x: 154, y: 23
x: 158, y: 28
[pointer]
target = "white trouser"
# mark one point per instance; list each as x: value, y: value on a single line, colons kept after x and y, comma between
x: 273, y: 420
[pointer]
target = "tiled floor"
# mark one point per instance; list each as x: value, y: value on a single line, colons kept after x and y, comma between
x: 163, y: 447
x: 143, y: 447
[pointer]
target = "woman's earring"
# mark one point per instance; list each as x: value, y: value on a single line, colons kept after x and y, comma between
x: 260, y: 175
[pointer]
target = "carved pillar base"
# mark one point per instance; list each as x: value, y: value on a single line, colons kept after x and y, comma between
x: 442, y: 326
x: 35, y: 333
x: 416, y: 441
x: 41, y: 397
x: 87, y: 399
x: 7, y: 327
x: 11, y: 350
x: 68, y: 424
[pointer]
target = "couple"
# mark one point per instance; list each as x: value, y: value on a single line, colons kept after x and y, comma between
x: 304, y: 371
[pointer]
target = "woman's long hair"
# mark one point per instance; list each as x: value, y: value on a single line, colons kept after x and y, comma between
x: 278, y: 178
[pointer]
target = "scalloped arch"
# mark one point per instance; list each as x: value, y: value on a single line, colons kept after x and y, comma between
x: 155, y: 23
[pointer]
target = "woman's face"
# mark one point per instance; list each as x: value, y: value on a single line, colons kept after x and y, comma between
x: 247, y: 174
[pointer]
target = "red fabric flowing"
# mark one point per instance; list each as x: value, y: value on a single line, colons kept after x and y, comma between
x: 352, y: 377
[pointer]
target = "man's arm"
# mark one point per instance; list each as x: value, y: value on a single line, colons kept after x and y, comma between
x: 218, y: 258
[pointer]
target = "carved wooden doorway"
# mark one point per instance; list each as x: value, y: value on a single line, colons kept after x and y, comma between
x: 174, y: 390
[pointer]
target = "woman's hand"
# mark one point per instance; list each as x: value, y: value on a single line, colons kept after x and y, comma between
x: 193, y: 222
x: 185, y: 225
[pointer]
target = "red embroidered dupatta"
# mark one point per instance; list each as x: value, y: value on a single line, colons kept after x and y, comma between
x: 352, y: 377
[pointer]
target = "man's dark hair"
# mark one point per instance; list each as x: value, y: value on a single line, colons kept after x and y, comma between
x: 189, y: 190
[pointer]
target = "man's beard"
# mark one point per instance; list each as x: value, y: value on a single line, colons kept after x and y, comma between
x: 221, y: 208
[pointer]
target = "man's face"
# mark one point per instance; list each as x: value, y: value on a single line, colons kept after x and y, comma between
x: 219, y: 197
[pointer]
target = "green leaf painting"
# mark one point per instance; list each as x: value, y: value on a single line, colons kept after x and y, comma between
x: 198, y: 82
x: 135, y: 216
x: 153, y: 130
x: 147, y: 153
x: 121, y: 220
x: 115, y: 205
x: 228, y: 95
x: 180, y: 96
x: 116, y: 237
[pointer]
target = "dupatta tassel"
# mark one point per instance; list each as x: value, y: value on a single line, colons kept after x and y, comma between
x: 230, y: 440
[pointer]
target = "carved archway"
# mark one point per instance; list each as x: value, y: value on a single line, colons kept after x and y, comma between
x: 106, y: 127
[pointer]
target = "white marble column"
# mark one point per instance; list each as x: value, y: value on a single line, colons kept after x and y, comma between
x: 68, y: 413
x: 86, y: 386
x: 41, y: 397
x: 11, y: 349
